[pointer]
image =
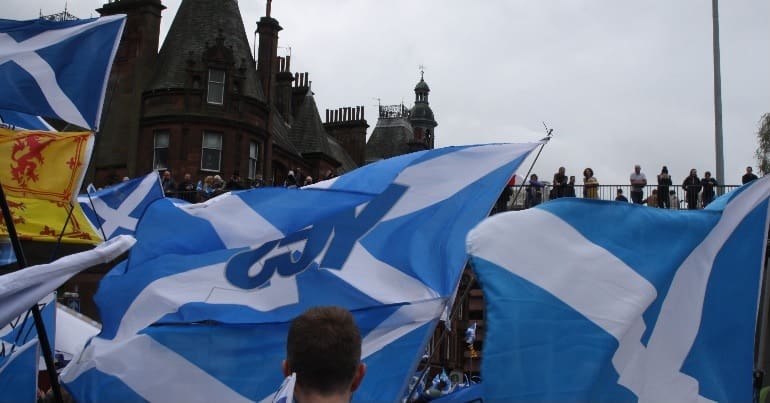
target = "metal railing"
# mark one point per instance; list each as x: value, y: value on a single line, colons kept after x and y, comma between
x: 609, y: 192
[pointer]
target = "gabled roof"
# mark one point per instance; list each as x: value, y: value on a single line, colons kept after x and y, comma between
x: 307, y: 131
x: 281, y: 134
x: 195, y: 29
x: 390, y: 138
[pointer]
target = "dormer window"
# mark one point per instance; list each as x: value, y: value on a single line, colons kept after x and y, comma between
x: 216, y: 89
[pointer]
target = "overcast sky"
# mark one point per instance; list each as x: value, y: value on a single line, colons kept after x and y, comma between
x: 620, y: 82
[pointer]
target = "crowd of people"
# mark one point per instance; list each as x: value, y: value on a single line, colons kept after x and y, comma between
x: 698, y: 192
x: 213, y: 185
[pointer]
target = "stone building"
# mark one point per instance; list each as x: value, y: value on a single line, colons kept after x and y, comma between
x: 203, y: 105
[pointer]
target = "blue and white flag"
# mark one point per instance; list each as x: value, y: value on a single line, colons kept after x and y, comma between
x: 21, y: 289
x: 604, y: 301
x: 18, y: 374
x: 470, y: 334
x: 58, y: 68
x: 117, y: 209
x: 201, y: 309
x: 19, y: 352
x: 24, y: 121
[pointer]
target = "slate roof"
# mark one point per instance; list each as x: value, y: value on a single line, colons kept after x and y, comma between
x: 307, y: 131
x: 390, y: 138
x: 339, y: 153
x: 195, y: 28
x: 281, y: 134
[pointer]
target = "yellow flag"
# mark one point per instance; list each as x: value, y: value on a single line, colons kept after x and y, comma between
x: 41, y: 173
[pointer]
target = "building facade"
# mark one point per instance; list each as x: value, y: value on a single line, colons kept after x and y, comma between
x: 203, y: 105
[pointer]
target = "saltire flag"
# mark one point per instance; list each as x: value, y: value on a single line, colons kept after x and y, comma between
x: 603, y: 301
x: 41, y: 173
x: 117, y: 209
x: 470, y: 334
x: 58, y: 68
x: 201, y: 308
x: 16, y: 383
x: 21, y: 289
x: 24, y: 121
x: 19, y: 352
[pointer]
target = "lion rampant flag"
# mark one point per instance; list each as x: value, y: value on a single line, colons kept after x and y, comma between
x: 41, y: 173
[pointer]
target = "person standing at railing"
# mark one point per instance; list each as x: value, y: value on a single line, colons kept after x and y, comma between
x: 748, y: 176
x: 692, y: 187
x: 590, y: 184
x: 709, y: 184
x: 664, y: 181
x: 620, y: 196
x: 559, y: 184
x: 638, y: 182
x: 534, y: 192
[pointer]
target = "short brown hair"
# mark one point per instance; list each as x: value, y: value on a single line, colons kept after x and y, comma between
x: 324, y: 349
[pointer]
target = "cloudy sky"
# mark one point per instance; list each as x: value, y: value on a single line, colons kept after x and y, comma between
x: 620, y: 82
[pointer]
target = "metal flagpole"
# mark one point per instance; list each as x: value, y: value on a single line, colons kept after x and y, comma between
x: 720, y: 158
x: 548, y: 135
x: 39, y: 326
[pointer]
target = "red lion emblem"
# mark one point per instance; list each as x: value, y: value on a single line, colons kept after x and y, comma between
x: 27, y: 154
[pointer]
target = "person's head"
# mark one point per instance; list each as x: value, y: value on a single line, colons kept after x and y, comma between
x: 749, y: 170
x: 166, y: 174
x: 324, y: 349
x: 664, y: 170
x: 572, y: 179
x: 588, y: 172
x: 209, y: 179
x: 693, y: 172
x: 126, y: 179
x: 533, y: 177
x: 187, y: 177
x: 654, y: 192
x: 620, y: 192
x: 309, y: 180
x: 637, y: 168
x: 671, y: 192
x: 562, y: 170
x: 707, y: 174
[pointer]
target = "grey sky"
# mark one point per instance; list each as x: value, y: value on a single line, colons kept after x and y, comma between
x: 621, y: 82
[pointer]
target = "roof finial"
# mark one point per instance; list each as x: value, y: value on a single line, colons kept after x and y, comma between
x: 267, y: 12
x: 422, y: 71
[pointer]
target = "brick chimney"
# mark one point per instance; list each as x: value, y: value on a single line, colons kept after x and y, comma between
x: 348, y: 126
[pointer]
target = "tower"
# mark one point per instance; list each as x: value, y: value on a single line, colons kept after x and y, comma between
x: 115, y: 152
x: 421, y: 116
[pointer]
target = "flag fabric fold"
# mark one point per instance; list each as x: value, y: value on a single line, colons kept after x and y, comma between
x: 18, y: 374
x: 41, y: 173
x: 58, y: 69
x: 209, y: 289
x: 117, y: 209
x: 603, y: 301
x: 21, y: 289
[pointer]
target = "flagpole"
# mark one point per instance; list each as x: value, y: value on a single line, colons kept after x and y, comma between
x: 61, y: 234
x: 98, y: 220
x: 39, y: 325
x: 546, y: 139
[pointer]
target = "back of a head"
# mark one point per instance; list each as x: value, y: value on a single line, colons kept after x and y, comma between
x: 324, y: 349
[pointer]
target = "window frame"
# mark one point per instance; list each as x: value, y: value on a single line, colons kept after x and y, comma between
x: 253, y: 159
x: 205, y: 147
x: 218, y: 85
x: 156, y: 148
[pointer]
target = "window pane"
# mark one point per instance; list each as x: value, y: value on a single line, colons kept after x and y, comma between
x: 160, y: 159
x: 212, y: 140
x: 210, y: 160
x: 216, y: 87
x: 161, y: 139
